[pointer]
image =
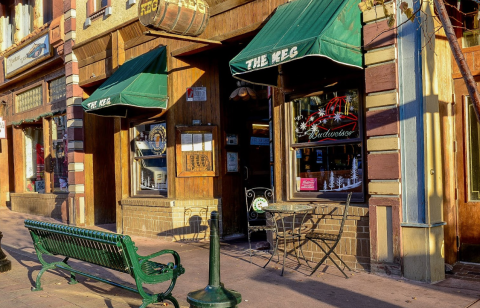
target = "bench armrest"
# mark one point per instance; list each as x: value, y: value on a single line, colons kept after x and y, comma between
x: 159, y: 253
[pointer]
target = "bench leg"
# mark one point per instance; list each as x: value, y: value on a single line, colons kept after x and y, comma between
x: 73, y: 278
x: 38, y: 283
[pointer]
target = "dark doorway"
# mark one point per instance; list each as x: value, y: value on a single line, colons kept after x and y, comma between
x: 246, y: 143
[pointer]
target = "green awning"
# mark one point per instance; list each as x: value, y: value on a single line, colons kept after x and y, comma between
x: 302, y: 28
x: 139, y: 83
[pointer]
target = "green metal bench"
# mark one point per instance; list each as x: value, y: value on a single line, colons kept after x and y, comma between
x: 110, y: 250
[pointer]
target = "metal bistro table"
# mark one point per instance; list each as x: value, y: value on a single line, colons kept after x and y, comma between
x: 282, y: 210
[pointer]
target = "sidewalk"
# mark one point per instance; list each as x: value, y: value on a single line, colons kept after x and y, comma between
x: 259, y: 287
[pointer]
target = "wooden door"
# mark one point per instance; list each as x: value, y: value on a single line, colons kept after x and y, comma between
x: 468, y: 179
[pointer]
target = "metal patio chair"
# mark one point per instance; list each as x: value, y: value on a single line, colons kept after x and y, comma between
x: 257, y: 219
x: 324, y: 238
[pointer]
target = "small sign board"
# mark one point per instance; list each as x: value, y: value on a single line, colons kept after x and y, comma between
x: 27, y: 56
x: 196, y: 94
x: 3, y: 131
x: 259, y: 141
x: 308, y: 184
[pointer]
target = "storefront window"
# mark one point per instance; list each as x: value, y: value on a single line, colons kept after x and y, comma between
x: 327, y: 145
x: 34, y: 159
x: 59, y: 154
x: 150, y: 158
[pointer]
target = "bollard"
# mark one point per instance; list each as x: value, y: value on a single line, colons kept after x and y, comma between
x: 5, y: 264
x: 214, y: 294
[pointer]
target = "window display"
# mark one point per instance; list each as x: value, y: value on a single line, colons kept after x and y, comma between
x: 150, y: 160
x: 329, y: 168
x: 59, y: 154
x: 34, y: 159
x: 327, y: 144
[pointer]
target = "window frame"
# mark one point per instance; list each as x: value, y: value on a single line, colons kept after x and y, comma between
x: 135, y: 192
x: 290, y: 181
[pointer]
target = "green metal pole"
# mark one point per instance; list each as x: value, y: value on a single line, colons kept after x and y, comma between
x: 214, y: 273
x: 214, y: 294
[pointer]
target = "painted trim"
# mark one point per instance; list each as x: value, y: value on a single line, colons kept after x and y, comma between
x: 414, y: 225
x: 411, y: 119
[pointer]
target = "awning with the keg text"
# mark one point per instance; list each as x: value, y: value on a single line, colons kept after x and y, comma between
x: 139, y: 83
x: 300, y: 29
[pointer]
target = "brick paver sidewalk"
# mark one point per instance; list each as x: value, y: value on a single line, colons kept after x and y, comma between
x: 259, y: 287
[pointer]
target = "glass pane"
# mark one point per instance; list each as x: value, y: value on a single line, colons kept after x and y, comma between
x: 473, y: 153
x: 329, y: 168
x: 34, y: 160
x: 57, y: 89
x: 151, y: 158
x: 59, y: 155
x: 326, y: 117
x: 29, y: 99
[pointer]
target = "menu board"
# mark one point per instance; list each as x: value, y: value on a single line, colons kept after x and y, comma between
x: 196, y: 153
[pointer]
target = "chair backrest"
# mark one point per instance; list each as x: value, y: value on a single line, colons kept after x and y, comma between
x: 255, y: 199
x: 345, y: 214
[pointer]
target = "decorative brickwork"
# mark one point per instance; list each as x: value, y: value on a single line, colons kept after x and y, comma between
x: 354, y: 247
x: 48, y: 205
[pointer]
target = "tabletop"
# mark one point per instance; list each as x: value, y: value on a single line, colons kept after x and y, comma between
x: 287, y: 208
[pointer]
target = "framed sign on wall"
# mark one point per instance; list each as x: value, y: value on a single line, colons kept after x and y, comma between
x: 196, y: 151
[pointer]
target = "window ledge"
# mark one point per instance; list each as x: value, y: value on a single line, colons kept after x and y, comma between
x: 97, y: 14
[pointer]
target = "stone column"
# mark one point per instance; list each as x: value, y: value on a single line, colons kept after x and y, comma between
x: 76, y: 177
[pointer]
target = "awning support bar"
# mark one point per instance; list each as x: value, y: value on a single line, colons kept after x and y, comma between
x: 181, y: 37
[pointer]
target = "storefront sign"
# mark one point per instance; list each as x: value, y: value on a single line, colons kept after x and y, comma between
x: 28, y: 56
x: 275, y: 57
x: 197, y: 94
x: 334, y: 120
x: 157, y: 139
x: 308, y: 184
x: 232, y: 162
x: 259, y: 141
x: 3, y: 130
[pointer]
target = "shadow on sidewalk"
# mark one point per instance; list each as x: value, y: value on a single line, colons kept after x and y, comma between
x: 24, y: 257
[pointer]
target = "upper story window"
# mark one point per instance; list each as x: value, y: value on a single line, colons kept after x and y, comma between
x: 9, y: 25
x: 100, y: 4
x: 27, y: 17
x: 471, y: 31
x: 47, y: 11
